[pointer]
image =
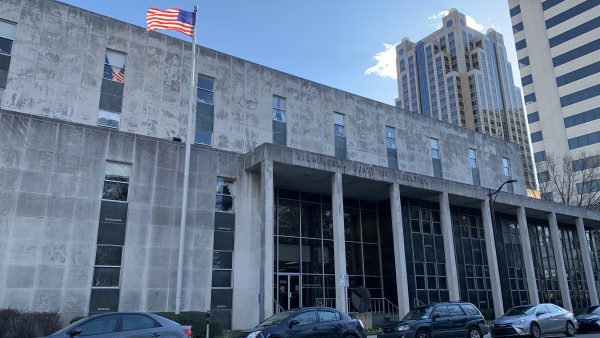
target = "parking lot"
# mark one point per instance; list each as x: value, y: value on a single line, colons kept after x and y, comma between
x: 585, y: 335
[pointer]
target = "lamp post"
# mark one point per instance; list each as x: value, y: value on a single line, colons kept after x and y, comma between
x: 492, y: 200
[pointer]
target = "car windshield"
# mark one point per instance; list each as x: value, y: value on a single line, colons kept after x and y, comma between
x: 521, y: 311
x: 276, y: 319
x: 593, y: 309
x: 419, y: 313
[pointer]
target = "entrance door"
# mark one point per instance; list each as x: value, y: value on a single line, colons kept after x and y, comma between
x: 288, y: 291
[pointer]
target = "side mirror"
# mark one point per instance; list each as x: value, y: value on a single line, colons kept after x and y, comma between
x: 293, y: 323
x: 539, y: 313
x: 436, y: 315
x: 76, y: 331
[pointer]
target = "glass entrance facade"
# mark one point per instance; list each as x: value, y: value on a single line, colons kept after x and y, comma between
x: 304, y: 258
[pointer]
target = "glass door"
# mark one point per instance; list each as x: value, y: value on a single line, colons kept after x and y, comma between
x: 288, y: 292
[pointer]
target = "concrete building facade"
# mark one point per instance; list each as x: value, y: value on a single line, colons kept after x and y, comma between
x: 557, y: 47
x: 299, y: 192
x: 463, y: 77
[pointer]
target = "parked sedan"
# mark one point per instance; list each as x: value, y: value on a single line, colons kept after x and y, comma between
x: 534, y: 321
x: 125, y: 325
x: 307, y: 322
x: 589, y: 320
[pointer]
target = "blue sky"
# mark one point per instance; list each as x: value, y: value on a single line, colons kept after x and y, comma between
x: 333, y: 42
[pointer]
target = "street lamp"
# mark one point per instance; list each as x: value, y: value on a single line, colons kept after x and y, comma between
x: 492, y: 200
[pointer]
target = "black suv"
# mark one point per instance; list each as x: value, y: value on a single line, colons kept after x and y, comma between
x: 308, y: 322
x: 453, y: 319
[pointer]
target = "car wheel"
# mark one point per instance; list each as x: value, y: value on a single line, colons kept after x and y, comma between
x: 474, y: 333
x: 535, y: 331
x: 423, y: 334
x: 570, y: 332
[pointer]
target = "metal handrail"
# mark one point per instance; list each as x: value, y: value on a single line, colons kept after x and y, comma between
x: 325, y: 302
x: 278, y: 307
x: 386, y: 307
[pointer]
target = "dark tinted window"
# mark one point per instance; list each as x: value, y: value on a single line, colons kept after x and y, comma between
x: 441, y: 311
x: 470, y: 309
x: 536, y: 136
x: 515, y: 10
x: 579, y: 96
x: 526, y: 80
x: 521, y: 44
x: 533, y: 117
x: 570, y: 13
x: 575, y: 32
x: 105, y: 324
x: 137, y: 322
x: 307, y: 317
x: 576, y: 53
x: 455, y: 311
x: 328, y: 316
x: 108, y: 255
x: 550, y: 3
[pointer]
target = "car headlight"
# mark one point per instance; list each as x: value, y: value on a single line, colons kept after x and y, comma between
x: 520, y: 322
x: 403, y: 328
x: 254, y: 334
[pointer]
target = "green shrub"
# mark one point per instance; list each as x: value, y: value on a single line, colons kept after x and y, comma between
x: 197, y: 320
x: 17, y: 324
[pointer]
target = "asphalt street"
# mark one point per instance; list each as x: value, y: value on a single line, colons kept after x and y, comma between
x: 585, y: 335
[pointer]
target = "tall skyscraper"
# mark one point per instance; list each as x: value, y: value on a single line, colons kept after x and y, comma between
x: 463, y: 77
x: 558, y: 46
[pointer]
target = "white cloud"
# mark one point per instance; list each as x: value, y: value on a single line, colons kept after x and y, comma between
x: 475, y: 25
x: 386, y: 62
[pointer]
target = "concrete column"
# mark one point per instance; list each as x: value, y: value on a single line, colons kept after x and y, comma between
x: 492, y: 258
x: 267, y: 200
x: 560, y: 262
x: 451, y: 269
x: 339, y: 241
x: 587, y: 262
x: 534, y: 297
x: 399, y: 253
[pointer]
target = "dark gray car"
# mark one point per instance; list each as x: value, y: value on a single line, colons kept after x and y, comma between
x: 534, y: 321
x: 124, y: 325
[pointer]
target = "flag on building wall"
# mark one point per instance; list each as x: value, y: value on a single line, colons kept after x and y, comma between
x: 173, y: 19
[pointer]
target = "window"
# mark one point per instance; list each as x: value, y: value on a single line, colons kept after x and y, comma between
x: 390, y: 139
x: 205, y: 110
x: 279, y: 108
x: 279, y: 122
x: 518, y: 27
x: 225, y: 194
x: 101, y: 325
x: 574, y: 32
x: 524, y: 62
x: 111, y: 91
x: 455, y: 311
x: 570, y: 13
x: 328, y: 316
x: 579, y: 96
x: 539, y: 156
x: 434, y: 149
x: 307, y: 317
x: 473, y: 158
x: 470, y: 309
x: 116, y: 181
x: 586, y: 163
x: 533, y: 117
x: 435, y: 158
x: 576, y: 53
x: 584, y: 140
x: 338, y: 124
x: 506, y: 166
x: 537, y: 136
x: 339, y: 135
x: 441, y: 311
x: 7, y: 36
x: 137, y: 322
x: 526, y: 80
x: 588, y: 187
x: 520, y: 44
x: 111, y: 237
x: 530, y: 98
x: 581, y: 118
x: 515, y: 10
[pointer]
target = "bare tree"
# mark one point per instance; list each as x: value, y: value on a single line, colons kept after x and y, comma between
x: 571, y: 180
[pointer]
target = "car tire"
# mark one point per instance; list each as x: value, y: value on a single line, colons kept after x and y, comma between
x: 474, y: 333
x: 570, y: 329
x: 423, y: 334
x: 535, y: 331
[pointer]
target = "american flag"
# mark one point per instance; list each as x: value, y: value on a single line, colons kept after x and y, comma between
x: 118, y: 74
x: 174, y: 19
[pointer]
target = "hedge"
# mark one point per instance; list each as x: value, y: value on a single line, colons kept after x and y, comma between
x: 17, y: 324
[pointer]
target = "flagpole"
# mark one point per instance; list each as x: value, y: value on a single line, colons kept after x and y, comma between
x: 186, y: 173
